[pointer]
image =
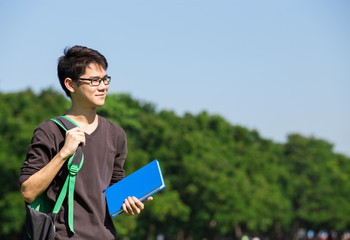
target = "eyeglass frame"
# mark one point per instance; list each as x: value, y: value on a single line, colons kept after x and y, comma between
x: 105, y: 78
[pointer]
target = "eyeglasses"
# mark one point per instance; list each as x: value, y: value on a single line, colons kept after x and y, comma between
x: 97, y: 81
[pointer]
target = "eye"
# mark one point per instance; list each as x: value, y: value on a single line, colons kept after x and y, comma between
x: 95, y: 81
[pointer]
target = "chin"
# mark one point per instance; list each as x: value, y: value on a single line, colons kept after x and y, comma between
x: 100, y: 104
x: 97, y: 103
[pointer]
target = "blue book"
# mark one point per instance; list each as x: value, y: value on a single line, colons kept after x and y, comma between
x: 142, y: 184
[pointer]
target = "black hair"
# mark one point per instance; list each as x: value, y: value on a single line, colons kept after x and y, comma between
x: 75, y: 61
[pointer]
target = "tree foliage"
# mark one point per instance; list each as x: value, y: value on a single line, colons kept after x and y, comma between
x: 221, y: 180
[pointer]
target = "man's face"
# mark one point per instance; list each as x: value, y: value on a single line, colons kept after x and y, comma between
x: 91, y: 96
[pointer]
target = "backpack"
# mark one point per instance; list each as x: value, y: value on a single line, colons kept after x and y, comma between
x: 40, y: 214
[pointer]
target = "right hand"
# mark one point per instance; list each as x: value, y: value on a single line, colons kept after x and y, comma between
x: 74, y: 137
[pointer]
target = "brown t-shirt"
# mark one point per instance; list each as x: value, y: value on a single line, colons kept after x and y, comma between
x: 105, y: 151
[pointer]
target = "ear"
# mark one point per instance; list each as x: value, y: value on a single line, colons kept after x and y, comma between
x: 70, y: 85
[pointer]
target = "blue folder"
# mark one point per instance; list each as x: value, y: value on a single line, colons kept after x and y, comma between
x: 142, y: 183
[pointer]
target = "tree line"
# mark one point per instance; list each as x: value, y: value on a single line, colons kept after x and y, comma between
x: 222, y: 180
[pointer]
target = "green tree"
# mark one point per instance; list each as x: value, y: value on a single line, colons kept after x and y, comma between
x: 221, y: 180
x: 320, y: 183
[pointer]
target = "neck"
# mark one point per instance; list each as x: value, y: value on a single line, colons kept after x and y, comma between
x: 82, y: 115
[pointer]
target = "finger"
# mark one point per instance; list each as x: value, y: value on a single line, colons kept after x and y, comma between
x: 133, y: 205
x: 81, y: 135
x: 125, y: 209
x: 148, y: 199
x: 76, y: 129
x: 139, y: 204
x: 83, y: 140
x: 75, y: 132
x: 77, y: 135
x: 128, y: 206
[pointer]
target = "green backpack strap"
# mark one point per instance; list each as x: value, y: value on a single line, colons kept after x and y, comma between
x: 75, y: 162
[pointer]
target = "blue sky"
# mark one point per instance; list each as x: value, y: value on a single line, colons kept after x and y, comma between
x: 279, y: 67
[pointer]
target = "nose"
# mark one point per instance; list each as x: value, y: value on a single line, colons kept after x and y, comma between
x: 102, y: 86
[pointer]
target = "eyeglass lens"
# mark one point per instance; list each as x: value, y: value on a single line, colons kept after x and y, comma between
x: 97, y: 82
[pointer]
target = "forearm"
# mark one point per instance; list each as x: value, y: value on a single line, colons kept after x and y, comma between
x: 40, y: 181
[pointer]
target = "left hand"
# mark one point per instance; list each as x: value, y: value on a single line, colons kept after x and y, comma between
x: 133, y: 206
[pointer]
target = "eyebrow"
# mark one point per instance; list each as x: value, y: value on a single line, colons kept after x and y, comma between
x: 94, y: 77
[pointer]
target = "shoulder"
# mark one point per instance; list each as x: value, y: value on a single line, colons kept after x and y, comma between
x: 49, y: 126
x: 111, y: 127
x: 48, y: 129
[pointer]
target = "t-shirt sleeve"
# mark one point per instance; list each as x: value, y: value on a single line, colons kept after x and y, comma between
x: 39, y: 153
x: 122, y: 152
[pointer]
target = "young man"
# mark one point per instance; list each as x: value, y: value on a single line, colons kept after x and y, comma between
x: 82, y: 75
